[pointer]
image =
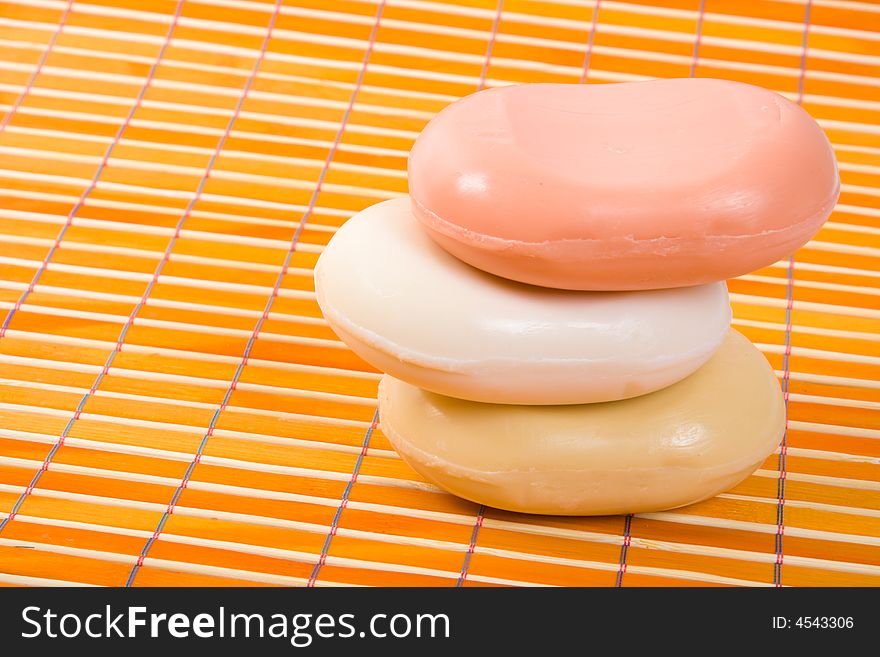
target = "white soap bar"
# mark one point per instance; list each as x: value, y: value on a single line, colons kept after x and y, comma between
x: 410, y: 309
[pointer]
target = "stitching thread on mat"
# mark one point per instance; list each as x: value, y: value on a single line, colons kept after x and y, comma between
x: 92, y: 185
x: 478, y: 521
x: 44, y: 265
x: 225, y: 401
x: 594, y: 23
x: 3, y: 124
x: 472, y: 545
x: 698, y: 41
x: 50, y: 46
x: 624, y: 548
x: 269, y: 302
x: 343, y: 502
x: 786, y: 358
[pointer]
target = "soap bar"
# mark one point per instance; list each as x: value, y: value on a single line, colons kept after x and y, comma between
x: 680, y: 445
x: 624, y: 186
x: 409, y: 308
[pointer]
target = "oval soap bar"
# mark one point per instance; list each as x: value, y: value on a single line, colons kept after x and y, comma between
x: 410, y: 309
x: 680, y: 445
x: 626, y: 186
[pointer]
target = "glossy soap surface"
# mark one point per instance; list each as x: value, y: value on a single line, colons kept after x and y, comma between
x: 623, y: 186
x: 673, y: 447
x: 410, y: 309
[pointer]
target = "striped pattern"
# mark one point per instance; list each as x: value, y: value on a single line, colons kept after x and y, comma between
x: 175, y: 411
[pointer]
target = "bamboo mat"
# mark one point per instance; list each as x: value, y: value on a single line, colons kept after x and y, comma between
x: 175, y: 411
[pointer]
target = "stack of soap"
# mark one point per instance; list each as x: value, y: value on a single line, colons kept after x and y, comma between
x: 549, y: 303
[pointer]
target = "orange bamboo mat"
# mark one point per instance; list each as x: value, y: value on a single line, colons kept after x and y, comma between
x: 173, y: 408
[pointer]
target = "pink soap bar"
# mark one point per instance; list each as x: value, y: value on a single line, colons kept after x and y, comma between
x: 625, y: 186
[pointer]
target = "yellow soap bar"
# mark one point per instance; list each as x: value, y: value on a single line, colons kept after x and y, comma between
x: 679, y: 445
